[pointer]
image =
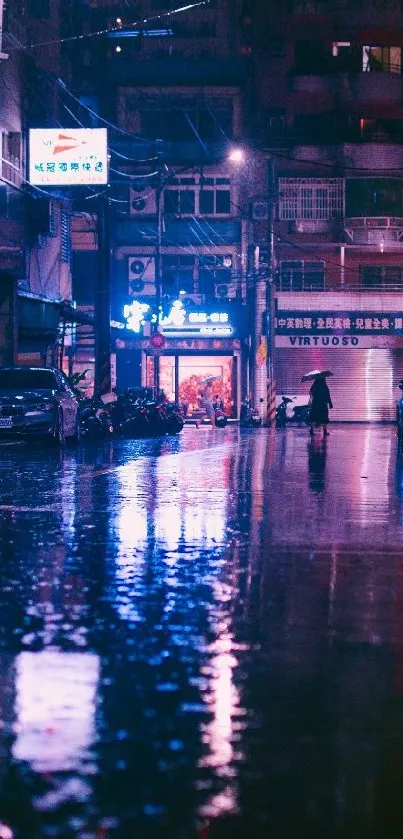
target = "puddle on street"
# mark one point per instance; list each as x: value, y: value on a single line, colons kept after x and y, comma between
x: 200, y: 638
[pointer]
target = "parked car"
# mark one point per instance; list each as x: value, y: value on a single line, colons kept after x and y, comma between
x: 37, y: 401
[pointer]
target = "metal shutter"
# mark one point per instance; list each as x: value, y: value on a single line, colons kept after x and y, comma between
x: 364, y: 385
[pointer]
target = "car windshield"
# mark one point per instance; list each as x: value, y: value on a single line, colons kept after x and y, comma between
x: 27, y: 380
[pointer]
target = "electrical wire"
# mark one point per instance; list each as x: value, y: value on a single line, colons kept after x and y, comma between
x: 98, y: 33
x: 106, y: 122
x: 323, y: 165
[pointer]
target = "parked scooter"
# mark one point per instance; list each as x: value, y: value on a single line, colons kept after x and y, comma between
x: 95, y: 419
x: 174, y: 418
x: 135, y: 415
x: 250, y: 417
x: 299, y: 415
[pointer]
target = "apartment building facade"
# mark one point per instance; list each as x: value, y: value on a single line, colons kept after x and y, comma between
x: 34, y: 225
x: 175, y: 94
x: 329, y: 105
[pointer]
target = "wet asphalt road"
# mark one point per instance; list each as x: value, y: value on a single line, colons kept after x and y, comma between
x: 202, y: 636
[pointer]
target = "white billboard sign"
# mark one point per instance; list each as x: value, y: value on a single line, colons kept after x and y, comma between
x: 67, y: 157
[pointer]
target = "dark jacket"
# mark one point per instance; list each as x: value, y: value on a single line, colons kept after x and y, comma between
x: 320, y: 402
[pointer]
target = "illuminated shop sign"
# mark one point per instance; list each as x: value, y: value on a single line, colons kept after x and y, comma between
x: 339, y: 323
x: 67, y: 157
x: 135, y: 315
x: 180, y: 323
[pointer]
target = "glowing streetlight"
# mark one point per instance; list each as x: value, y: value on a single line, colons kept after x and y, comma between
x: 237, y: 155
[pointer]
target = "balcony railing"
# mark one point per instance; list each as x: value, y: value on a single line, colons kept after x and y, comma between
x: 11, y: 171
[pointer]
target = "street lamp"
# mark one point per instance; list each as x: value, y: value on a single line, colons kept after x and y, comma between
x: 264, y: 304
x: 237, y: 155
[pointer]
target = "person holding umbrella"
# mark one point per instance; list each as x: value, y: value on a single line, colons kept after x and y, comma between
x: 319, y: 399
x: 206, y: 399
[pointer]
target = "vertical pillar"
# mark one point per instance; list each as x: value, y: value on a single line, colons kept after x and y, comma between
x: 3, y: 55
x: 102, y: 302
x: 260, y: 342
x: 270, y: 299
x: 158, y: 264
x: 342, y: 263
x: 8, y: 320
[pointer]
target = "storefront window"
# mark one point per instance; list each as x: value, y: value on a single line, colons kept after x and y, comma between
x: 182, y: 378
x: 167, y: 376
x: 194, y: 369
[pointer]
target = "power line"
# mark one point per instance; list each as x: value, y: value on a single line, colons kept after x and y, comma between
x: 98, y: 33
x: 102, y: 119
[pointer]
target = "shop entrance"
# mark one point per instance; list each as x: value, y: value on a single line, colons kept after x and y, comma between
x: 181, y: 377
x: 364, y: 387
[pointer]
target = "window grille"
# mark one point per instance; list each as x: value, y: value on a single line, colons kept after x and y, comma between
x: 301, y: 275
x: 310, y: 198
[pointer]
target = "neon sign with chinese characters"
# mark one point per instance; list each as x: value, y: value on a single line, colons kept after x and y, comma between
x: 134, y: 315
x: 200, y: 324
x: 180, y: 323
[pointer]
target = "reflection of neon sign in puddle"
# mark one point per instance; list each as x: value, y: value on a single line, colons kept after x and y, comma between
x: 55, y: 708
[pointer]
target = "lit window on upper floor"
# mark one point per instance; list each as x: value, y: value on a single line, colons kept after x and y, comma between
x: 382, y: 59
x: 338, y: 47
x: 381, y: 130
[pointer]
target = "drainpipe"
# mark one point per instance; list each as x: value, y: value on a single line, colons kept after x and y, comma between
x: 3, y: 55
x: 342, y: 263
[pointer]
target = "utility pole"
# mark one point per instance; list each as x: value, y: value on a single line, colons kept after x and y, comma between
x: 260, y: 339
x: 103, y: 381
x: 270, y: 296
x: 158, y: 262
x: 264, y: 314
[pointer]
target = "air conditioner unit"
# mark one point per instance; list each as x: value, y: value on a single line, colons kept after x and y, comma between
x: 260, y: 210
x: 225, y: 291
x: 142, y: 200
x: 141, y: 276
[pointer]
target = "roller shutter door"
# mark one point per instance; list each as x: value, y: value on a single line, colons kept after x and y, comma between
x: 364, y: 387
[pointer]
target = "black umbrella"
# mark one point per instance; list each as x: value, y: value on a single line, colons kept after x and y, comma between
x: 314, y: 374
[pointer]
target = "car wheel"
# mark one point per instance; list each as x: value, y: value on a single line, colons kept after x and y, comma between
x: 58, y: 434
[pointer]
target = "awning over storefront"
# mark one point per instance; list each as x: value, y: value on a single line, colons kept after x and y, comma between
x: 37, y: 317
x: 40, y: 318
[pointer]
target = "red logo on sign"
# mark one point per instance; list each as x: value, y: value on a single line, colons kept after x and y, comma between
x: 157, y: 341
x: 66, y: 143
